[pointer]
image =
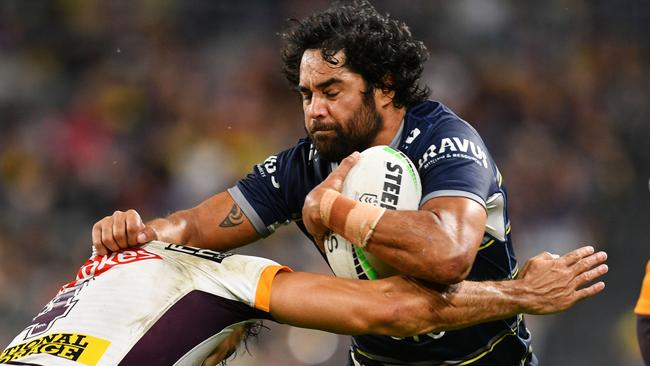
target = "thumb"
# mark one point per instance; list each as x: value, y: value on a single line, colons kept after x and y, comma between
x: 146, y: 235
x: 338, y: 175
x: 349, y: 162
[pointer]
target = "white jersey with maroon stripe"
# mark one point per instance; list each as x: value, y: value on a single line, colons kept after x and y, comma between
x: 159, y: 304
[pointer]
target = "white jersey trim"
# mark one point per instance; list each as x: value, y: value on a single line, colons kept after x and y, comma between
x: 453, y: 193
x: 250, y: 212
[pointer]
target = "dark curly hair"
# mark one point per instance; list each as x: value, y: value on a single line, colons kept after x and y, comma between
x: 252, y: 330
x: 380, y: 49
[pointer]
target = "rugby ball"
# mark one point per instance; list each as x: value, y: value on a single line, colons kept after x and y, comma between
x: 382, y: 177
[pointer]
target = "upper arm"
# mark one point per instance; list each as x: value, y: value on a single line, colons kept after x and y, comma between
x: 454, y: 162
x: 274, y: 192
x: 253, y: 208
x: 458, y: 177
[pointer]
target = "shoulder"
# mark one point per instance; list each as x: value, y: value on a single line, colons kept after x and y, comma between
x: 300, y: 157
x: 431, y: 129
x: 434, y: 118
x: 299, y: 165
x: 303, y: 150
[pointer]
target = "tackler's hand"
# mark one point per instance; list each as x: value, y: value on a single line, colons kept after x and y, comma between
x: 555, y: 283
x: 121, y: 230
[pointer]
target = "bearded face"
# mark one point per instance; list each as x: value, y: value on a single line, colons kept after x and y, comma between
x: 339, y: 107
x: 338, y: 139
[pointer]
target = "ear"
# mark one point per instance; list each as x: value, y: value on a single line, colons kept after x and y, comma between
x: 384, y: 96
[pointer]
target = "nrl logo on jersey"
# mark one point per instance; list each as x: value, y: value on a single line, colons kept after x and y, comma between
x: 454, y: 148
x: 412, y: 136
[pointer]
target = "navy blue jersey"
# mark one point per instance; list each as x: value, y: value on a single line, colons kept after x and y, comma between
x: 452, y: 160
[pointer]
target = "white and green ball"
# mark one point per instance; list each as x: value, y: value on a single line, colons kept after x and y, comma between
x: 382, y: 177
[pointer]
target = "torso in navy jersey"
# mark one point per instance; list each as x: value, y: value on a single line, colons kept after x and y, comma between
x: 452, y: 160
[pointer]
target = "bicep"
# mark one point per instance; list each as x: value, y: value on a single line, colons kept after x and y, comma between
x: 220, y: 224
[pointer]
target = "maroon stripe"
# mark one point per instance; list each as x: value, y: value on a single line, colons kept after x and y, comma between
x: 196, y: 317
x: 20, y: 363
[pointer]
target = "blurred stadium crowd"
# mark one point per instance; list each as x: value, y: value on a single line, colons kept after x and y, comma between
x: 155, y: 105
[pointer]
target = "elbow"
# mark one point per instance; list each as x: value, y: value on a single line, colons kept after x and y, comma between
x: 453, y: 269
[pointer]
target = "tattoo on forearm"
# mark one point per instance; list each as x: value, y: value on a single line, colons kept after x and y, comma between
x: 234, y: 218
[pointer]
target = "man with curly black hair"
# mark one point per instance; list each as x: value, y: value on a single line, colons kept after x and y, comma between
x: 358, y: 73
x: 379, y: 50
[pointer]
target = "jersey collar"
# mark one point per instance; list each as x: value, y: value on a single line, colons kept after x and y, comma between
x: 398, y: 136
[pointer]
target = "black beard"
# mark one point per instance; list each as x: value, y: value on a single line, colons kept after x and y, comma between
x: 361, y: 131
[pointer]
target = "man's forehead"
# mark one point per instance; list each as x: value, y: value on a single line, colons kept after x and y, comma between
x: 314, y: 67
x: 314, y: 55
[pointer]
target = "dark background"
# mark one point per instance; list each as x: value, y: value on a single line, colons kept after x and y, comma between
x: 156, y: 105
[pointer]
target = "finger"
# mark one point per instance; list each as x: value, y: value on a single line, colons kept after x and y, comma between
x: 107, y: 238
x: 134, y: 226
x: 146, y: 235
x: 339, y: 174
x: 591, y: 275
x: 590, y: 291
x: 575, y: 255
x: 119, y: 229
x: 544, y: 255
x: 97, y: 240
x: 589, y: 262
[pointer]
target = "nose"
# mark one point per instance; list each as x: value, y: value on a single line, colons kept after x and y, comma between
x: 316, y: 109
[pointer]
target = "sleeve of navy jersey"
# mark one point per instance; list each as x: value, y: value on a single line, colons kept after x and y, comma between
x: 270, y: 195
x: 453, y: 161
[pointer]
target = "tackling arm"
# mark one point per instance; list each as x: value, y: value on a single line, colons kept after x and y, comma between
x: 399, y: 306
x: 216, y: 223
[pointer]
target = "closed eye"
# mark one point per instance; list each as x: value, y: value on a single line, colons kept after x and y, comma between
x: 305, y: 96
x: 305, y: 93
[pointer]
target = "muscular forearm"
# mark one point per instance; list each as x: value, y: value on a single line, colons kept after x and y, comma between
x: 217, y: 224
x: 468, y: 302
x: 426, y: 309
x: 174, y: 228
x: 546, y: 284
x: 426, y: 245
x: 185, y: 227
x: 396, y: 306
